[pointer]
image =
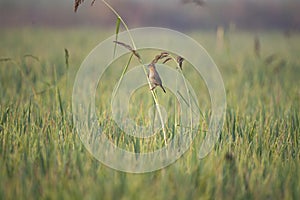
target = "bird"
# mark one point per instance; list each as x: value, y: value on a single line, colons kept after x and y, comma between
x: 154, y: 77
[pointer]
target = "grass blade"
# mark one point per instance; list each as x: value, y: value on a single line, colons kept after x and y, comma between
x: 118, y: 22
x: 60, y: 104
x: 67, y: 58
x: 122, y: 75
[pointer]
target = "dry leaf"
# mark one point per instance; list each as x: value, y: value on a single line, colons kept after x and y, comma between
x: 129, y: 48
x: 180, y: 61
x: 77, y: 3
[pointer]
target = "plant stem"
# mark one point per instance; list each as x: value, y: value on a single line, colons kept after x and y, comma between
x: 188, y: 92
x: 144, y: 67
x: 121, y: 19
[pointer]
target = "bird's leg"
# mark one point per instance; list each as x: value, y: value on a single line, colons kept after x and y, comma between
x: 153, y: 87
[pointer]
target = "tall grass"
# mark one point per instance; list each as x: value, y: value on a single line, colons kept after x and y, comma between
x: 256, y: 157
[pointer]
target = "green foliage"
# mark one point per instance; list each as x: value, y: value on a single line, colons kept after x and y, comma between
x: 41, y: 156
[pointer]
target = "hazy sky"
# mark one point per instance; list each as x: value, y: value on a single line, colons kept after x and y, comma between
x: 18, y: 3
x: 263, y: 13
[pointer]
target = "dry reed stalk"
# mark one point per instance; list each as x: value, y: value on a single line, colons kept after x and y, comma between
x: 180, y: 60
x: 257, y: 46
x: 220, y: 38
x: 129, y: 48
x: 77, y: 3
x: 162, y: 55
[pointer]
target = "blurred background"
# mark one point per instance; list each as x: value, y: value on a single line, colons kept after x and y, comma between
x: 255, y: 45
x: 175, y: 14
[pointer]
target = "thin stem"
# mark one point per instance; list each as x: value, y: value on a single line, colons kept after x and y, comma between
x: 144, y: 67
x: 122, y: 75
x: 121, y: 19
x: 188, y: 92
x: 156, y: 102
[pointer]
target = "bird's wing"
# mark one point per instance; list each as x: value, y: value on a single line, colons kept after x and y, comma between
x: 157, y: 79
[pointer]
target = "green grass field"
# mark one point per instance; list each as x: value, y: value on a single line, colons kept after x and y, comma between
x: 256, y: 157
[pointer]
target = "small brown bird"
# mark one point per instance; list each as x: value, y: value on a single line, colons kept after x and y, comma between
x: 154, y: 77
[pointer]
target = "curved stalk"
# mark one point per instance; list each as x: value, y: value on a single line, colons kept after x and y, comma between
x: 121, y: 19
x: 144, y: 67
x: 188, y: 92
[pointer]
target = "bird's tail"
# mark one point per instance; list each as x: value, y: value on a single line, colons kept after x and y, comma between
x: 163, y: 89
